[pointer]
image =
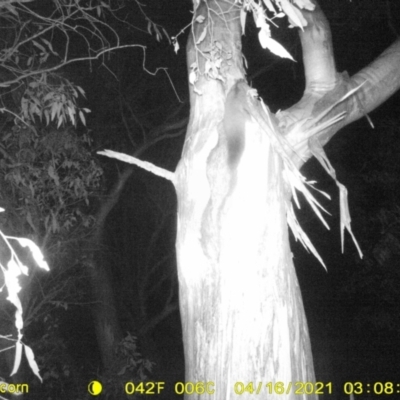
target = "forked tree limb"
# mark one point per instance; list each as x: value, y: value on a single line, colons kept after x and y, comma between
x: 326, y: 87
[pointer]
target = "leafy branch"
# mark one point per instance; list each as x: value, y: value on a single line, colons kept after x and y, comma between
x: 38, y: 40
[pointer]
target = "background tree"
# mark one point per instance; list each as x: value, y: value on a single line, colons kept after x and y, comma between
x: 143, y: 266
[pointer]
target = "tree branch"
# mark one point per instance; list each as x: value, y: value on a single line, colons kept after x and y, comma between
x: 318, y: 58
x: 382, y: 80
x: 142, y: 164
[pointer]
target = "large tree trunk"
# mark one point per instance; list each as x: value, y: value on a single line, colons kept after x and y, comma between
x: 242, y: 313
x: 241, y: 308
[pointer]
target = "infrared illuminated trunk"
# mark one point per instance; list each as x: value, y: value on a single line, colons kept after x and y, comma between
x: 241, y: 307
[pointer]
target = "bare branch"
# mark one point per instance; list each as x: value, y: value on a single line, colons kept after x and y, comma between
x: 318, y: 58
x: 142, y: 164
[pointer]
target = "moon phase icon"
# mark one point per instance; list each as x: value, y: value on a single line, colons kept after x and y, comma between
x: 95, y: 388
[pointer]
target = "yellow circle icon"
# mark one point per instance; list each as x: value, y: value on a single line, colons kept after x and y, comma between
x: 95, y: 388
